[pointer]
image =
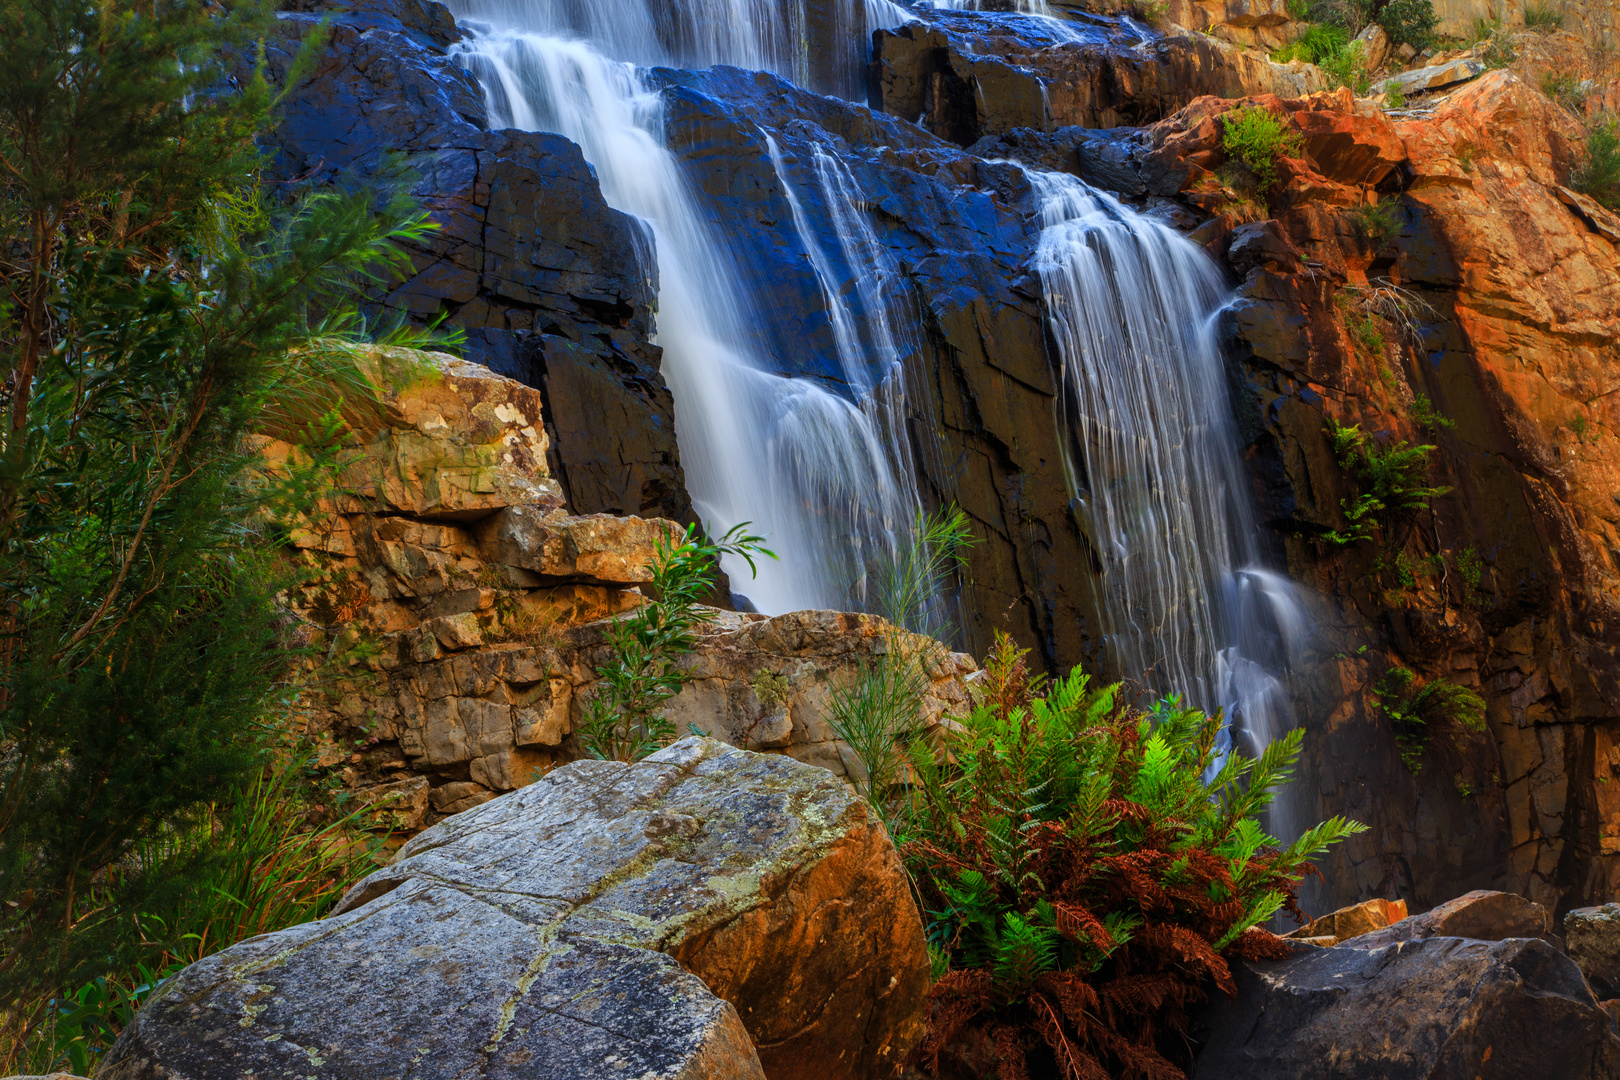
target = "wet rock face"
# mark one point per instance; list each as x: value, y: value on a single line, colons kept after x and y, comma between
x: 655, y: 920
x: 978, y: 378
x: 1439, y: 1008
x: 551, y: 285
x: 966, y: 81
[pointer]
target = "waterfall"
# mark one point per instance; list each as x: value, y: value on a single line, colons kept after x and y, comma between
x: 1159, y: 479
x: 818, y: 44
x: 815, y: 473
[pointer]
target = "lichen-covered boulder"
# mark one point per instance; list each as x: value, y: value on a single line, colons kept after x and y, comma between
x: 655, y: 920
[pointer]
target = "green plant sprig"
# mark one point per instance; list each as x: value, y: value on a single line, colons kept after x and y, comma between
x: 622, y: 721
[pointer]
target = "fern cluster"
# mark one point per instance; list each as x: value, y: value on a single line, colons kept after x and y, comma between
x: 1087, y: 871
x: 1391, y: 480
x: 1417, y: 710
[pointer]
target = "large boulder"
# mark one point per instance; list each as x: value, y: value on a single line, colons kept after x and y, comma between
x: 1592, y: 936
x: 1438, y: 1009
x: 661, y: 919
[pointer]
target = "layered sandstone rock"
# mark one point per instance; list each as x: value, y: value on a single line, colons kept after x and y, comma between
x: 657, y: 920
x: 965, y: 89
x: 459, y: 610
x: 1349, y: 922
x: 1482, y: 914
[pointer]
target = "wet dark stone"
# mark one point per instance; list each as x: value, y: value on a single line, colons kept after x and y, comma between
x: 1437, y: 1009
x: 526, y: 246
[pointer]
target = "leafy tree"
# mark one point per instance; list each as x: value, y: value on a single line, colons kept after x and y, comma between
x: 154, y: 306
x: 1088, y: 872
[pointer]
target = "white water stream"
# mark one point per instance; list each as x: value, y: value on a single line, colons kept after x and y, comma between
x: 819, y: 476
x: 1132, y: 306
x: 829, y: 480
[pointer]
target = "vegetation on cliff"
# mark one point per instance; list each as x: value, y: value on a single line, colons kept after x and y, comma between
x: 156, y: 305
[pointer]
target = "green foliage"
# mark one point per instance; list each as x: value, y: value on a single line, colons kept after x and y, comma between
x: 1497, y: 38
x: 1258, y: 137
x: 1393, y: 98
x: 1417, y: 711
x: 1349, y: 15
x: 1599, y: 176
x: 238, y: 870
x: 1566, y: 89
x: 910, y: 581
x: 1391, y: 481
x: 1348, y: 67
x: 880, y: 707
x: 1373, y: 223
x: 622, y: 722
x: 1087, y: 870
x: 1426, y: 416
x: 1410, y: 22
x: 1543, y: 17
x: 153, y: 310
x: 1298, y: 10
x: 1365, y: 332
x: 1321, y: 42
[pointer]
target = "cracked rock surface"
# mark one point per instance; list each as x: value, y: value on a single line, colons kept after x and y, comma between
x: 655, y: 920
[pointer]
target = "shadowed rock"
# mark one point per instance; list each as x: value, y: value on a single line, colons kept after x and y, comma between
x: 1440, y: 1009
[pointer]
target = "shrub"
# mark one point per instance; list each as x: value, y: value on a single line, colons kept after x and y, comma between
x: 1088, y: 871
x: 159, y: 307
x: 1390, y: 481
x: 622, y: 722
x: 1498, y: 41
x: 1565, y: 89
x: 1542, y: 17
x: 1416, y: 712
x: 1426, y: 416
x: 1348, y: 67
x: 1599, y: 176
x: 1373, y: 223
x: 1411, y: 22
x: 1365, y: 332
x: 242, y: 869
x: 1258, y: 137
x: 1350, y: 15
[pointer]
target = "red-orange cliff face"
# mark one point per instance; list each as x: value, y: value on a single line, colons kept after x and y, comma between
x: 1480, y: 314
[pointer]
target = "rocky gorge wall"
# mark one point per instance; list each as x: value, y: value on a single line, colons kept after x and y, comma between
x: 1509, y: 586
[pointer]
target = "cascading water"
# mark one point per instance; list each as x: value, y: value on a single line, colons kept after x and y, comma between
x: 783, y: 36
x: 815, y: 473
x: 829, y: 479
x: 1160, y: 482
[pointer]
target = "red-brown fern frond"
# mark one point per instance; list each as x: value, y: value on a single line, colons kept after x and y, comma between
x: 1073, y: 1062
x: 1258, y: 944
